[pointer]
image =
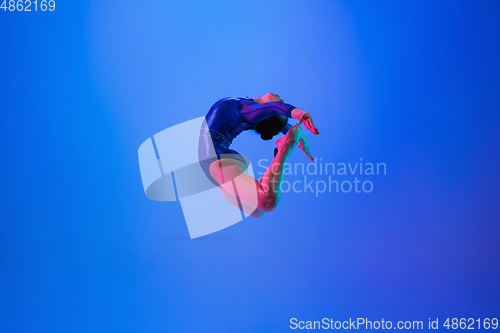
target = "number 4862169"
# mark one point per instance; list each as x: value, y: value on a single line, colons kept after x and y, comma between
x: 28, y: 6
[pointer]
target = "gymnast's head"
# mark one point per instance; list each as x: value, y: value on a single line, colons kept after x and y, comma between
x: 271, y: 126
x: 270, y: 97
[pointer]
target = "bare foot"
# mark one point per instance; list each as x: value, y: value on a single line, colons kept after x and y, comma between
x: 290, y: 140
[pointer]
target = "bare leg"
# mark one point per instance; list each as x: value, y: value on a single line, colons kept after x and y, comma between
x: 244, y: 207
x: 263, y: 195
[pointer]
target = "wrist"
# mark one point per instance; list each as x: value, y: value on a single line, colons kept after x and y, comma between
x: 298, y: 113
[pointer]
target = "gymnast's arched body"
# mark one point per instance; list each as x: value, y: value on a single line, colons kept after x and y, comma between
x: 266, y: 115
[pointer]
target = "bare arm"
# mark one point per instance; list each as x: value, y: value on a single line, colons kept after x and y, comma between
x: 297, y: 113
x: 304, y: 117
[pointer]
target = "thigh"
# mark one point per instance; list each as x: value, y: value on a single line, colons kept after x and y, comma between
x: 231, y: 176
x: 252, y: 211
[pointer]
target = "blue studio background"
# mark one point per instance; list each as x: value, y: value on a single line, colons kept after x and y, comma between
x: 412, y: 84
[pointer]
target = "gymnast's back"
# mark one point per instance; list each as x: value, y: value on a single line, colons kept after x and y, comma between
x: 230, y: 116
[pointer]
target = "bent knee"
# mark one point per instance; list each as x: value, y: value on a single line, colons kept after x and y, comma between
x: 257, y: 213
x: 269, y: 204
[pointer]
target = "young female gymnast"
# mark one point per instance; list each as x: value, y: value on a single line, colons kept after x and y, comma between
x: 266, y: 115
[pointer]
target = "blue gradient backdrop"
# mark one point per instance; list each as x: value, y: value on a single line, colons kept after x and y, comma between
x: 413, y: 84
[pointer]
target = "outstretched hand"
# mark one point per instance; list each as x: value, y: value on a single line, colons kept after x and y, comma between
x: 308, y: 123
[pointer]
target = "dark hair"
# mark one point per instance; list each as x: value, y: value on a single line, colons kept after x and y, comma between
x: 269, y: 127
